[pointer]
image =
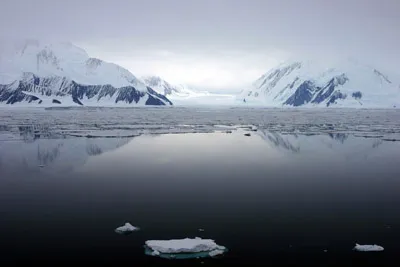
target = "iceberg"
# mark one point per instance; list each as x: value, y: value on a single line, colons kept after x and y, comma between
x: 366, y: 248
x: 187, y: 248
x: 126, y: 229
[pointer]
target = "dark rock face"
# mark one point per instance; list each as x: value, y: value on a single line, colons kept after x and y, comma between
x: 10, y: 96
x: 129, y: 95
x: 302, y: 95
x: 329, y: 88
x: 55, y: 101
x: 308, y: 92
x: 160, y: 96
x: 357, y: 95
x: 335, y: 96
x: 62, y: 87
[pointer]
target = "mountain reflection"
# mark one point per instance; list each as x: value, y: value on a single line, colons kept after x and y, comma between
x: 341, y: 137
x: 30, y: 133
x: 54, y: 154
x: 278, y: 140
x: 47, y: 156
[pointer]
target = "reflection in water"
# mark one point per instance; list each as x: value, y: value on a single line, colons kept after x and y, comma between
x: 54, y: 154
x: 47, y: 156
x: 4, y: 128
x: 341, y: 137
x: 278, y: 140
x: 29, y: 133
x: 93, y: 150
x: 377, y: 143
x: 311, y: 192
x: 68, y: 154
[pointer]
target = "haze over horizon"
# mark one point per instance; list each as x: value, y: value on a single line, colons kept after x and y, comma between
x: 218, y: 45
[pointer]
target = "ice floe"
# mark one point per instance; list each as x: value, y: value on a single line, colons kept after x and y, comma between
x: 366, y: 248
x: 126, y: 229
x: 184, y: 248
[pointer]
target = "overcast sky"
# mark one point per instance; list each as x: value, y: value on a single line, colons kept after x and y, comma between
x: 212, y: 44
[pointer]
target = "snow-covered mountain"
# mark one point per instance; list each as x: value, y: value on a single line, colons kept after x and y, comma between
x: 346, y: 83
x: 184, y: 95
x: 61, y: 73
x: 161, y: 86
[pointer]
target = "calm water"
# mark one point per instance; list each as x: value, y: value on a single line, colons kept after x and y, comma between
x: 272, y: 197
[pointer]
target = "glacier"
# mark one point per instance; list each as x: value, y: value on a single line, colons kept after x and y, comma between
x: 62, y: 74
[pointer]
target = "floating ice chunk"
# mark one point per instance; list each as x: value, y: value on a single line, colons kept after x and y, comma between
x: 201, y: 230
x: 366, y: 248
x: 216, y: 252
x: 126, y: 229
x: 187, y: 245
x: 183, y: 248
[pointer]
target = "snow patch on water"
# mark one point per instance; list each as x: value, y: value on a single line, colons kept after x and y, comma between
x: 186, y: 245
x: 368, y: 248
x: 126, y: 228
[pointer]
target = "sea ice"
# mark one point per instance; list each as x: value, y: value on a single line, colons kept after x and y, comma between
x: 183, y: 248
x: 366, y: 248
x: 126, y: 229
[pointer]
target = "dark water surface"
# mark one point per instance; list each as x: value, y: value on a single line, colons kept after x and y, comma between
x: 271, y: 198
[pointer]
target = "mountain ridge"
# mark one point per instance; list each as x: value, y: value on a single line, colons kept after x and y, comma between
x: 64, y: 73
x: 347, y: 83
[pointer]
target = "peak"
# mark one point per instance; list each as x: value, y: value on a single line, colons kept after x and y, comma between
x: 62, y: 59
x: 34, y: 46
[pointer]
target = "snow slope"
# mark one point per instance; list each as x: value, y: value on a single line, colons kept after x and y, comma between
x: 345, y: 83
x: 61, y: 73
x: 184, y: 95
